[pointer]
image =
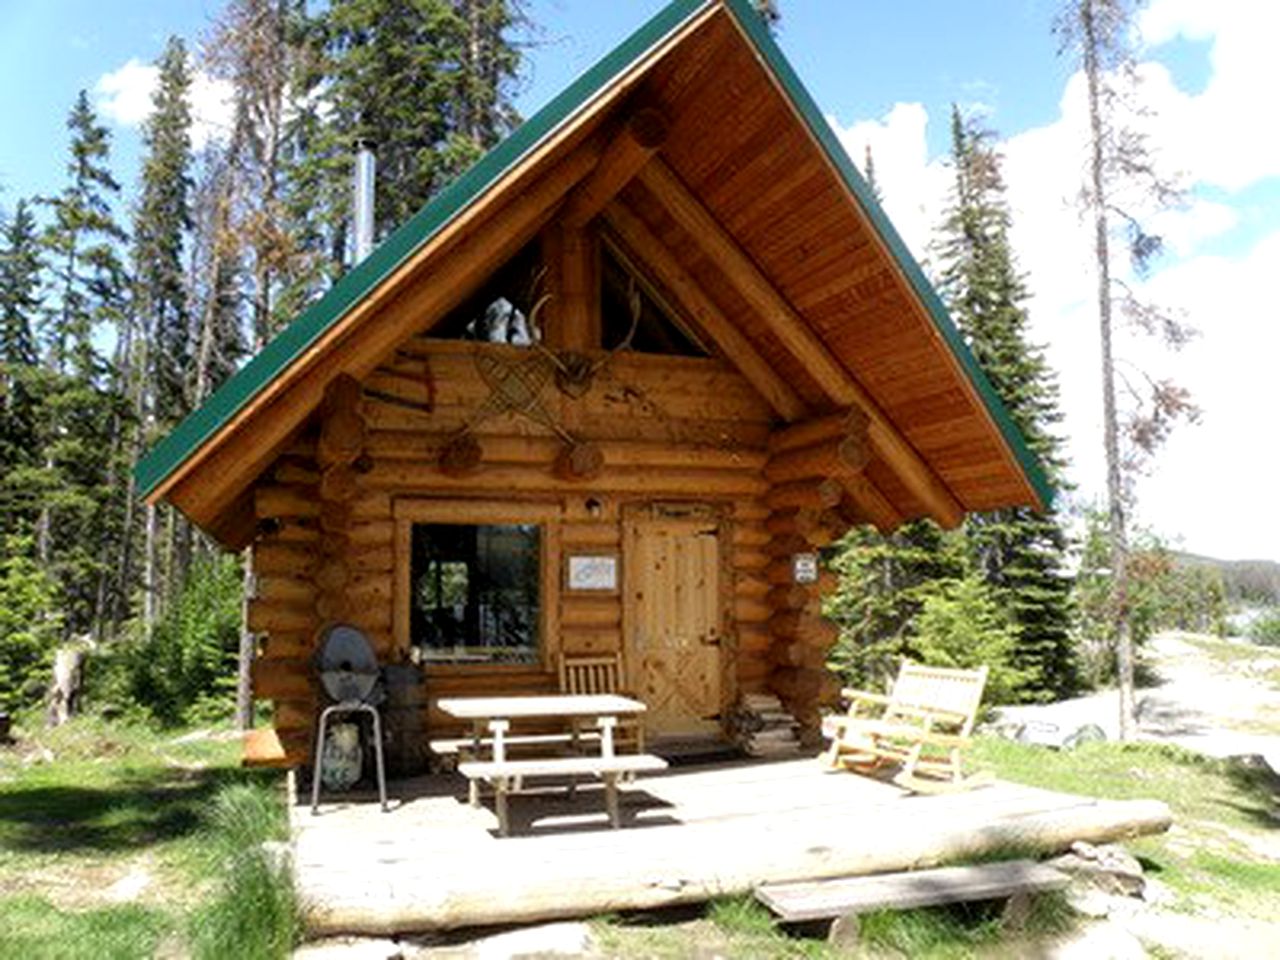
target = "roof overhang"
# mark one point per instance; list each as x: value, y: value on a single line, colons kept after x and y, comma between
x: 860, y: 324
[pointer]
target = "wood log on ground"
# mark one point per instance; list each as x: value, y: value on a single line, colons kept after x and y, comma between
x: 62, y: 699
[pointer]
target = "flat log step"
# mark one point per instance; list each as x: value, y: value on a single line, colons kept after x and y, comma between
x: 843, y: 896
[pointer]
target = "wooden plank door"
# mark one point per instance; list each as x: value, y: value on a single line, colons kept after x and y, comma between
x: 673, y: 618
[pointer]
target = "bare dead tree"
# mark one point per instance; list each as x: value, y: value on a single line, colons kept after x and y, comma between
x: 1122, y: 184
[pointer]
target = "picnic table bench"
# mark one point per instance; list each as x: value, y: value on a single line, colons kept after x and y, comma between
x: 508, y: 775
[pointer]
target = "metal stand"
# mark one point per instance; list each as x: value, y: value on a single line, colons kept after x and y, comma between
x: 350, y: 706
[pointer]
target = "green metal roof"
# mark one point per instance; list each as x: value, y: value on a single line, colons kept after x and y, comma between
x: 202, y: 424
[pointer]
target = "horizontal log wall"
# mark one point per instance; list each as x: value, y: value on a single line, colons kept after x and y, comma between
x: 668, y: 429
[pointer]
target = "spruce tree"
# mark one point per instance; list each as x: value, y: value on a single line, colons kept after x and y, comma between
x: 426, y: 81
x: 162, y: 367
x: 80, y: 408
x: 1018, y: 551
x: 21, y: 378
x: 160, y: 232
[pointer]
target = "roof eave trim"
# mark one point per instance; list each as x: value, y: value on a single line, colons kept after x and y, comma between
x: 203, y: 425
x: 756, y: 30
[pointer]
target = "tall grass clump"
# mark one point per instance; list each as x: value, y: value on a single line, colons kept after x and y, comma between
x: 253, y: 912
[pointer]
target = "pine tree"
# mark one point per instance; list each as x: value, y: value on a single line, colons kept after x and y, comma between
x: 1019, y: 552
x: 21, y: 379
x: 80, y: 408
x: 256, y: 47
x: 161, y: 391
x: 160, y: 232
x: 426, y: 81
x: 884, y: 581
x: 1121, y: 168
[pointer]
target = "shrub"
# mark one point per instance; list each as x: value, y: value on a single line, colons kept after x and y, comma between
x: 1266, y: 628
x: 29, y: 628
x: 185, y: 671
x: 961, y: 625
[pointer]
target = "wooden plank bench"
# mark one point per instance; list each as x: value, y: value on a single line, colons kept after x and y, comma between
x: 842, y: 899
x: 508, y: 775
x: 464, y: 748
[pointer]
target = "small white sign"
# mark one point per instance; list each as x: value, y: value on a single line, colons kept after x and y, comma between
x: 804, y: 567
x: 593, y: 573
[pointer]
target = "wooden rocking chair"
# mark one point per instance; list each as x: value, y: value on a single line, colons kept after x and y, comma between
x: 923, y: 725
x: 602, y: 673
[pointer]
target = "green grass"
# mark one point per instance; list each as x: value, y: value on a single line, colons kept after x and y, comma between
x: 1215, y: 855
x: 93, y: 809
x: 32, y: 927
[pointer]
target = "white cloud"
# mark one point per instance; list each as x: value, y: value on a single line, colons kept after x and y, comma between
x: 1209, y: 486
x: 124, y: 96
x: 914, y: 190
x: 1224, y: 135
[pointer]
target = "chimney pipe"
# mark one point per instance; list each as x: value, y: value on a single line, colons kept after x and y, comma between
x: 363, y: 204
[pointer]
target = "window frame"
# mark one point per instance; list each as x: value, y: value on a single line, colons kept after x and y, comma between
x: 545, y: 515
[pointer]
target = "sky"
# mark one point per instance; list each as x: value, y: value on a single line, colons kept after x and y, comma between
x: 886, y: 76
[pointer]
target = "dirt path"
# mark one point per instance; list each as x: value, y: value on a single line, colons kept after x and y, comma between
x: 1217, y: 698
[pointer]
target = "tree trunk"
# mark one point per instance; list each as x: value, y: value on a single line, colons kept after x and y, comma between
x: 149, y: 572
x: 244, y: 683
x: 1111, y: 434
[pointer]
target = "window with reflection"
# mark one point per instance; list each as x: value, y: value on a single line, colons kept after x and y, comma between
x: 475, y: 592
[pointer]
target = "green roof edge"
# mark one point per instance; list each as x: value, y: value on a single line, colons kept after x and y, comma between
x: 205, y: 421
x: 755, y: 28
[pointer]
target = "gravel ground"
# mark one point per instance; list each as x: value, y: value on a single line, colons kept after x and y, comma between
x: 1218, y: 708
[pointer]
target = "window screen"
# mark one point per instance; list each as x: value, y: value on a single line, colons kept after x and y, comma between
x: 475, y: 592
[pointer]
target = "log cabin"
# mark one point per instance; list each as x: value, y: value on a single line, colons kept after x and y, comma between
x: 610, y: 392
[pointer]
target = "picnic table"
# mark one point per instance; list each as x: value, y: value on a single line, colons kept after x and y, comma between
x: 495, y: 715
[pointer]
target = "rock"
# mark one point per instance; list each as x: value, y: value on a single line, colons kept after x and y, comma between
x: 844, y: 934
x: 550, y: 940
x: 1109, y: 868
x: 1088, y: 733
x: 1097, y: 941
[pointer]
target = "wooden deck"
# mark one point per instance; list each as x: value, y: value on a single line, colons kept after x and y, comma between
x: 434, y: 863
